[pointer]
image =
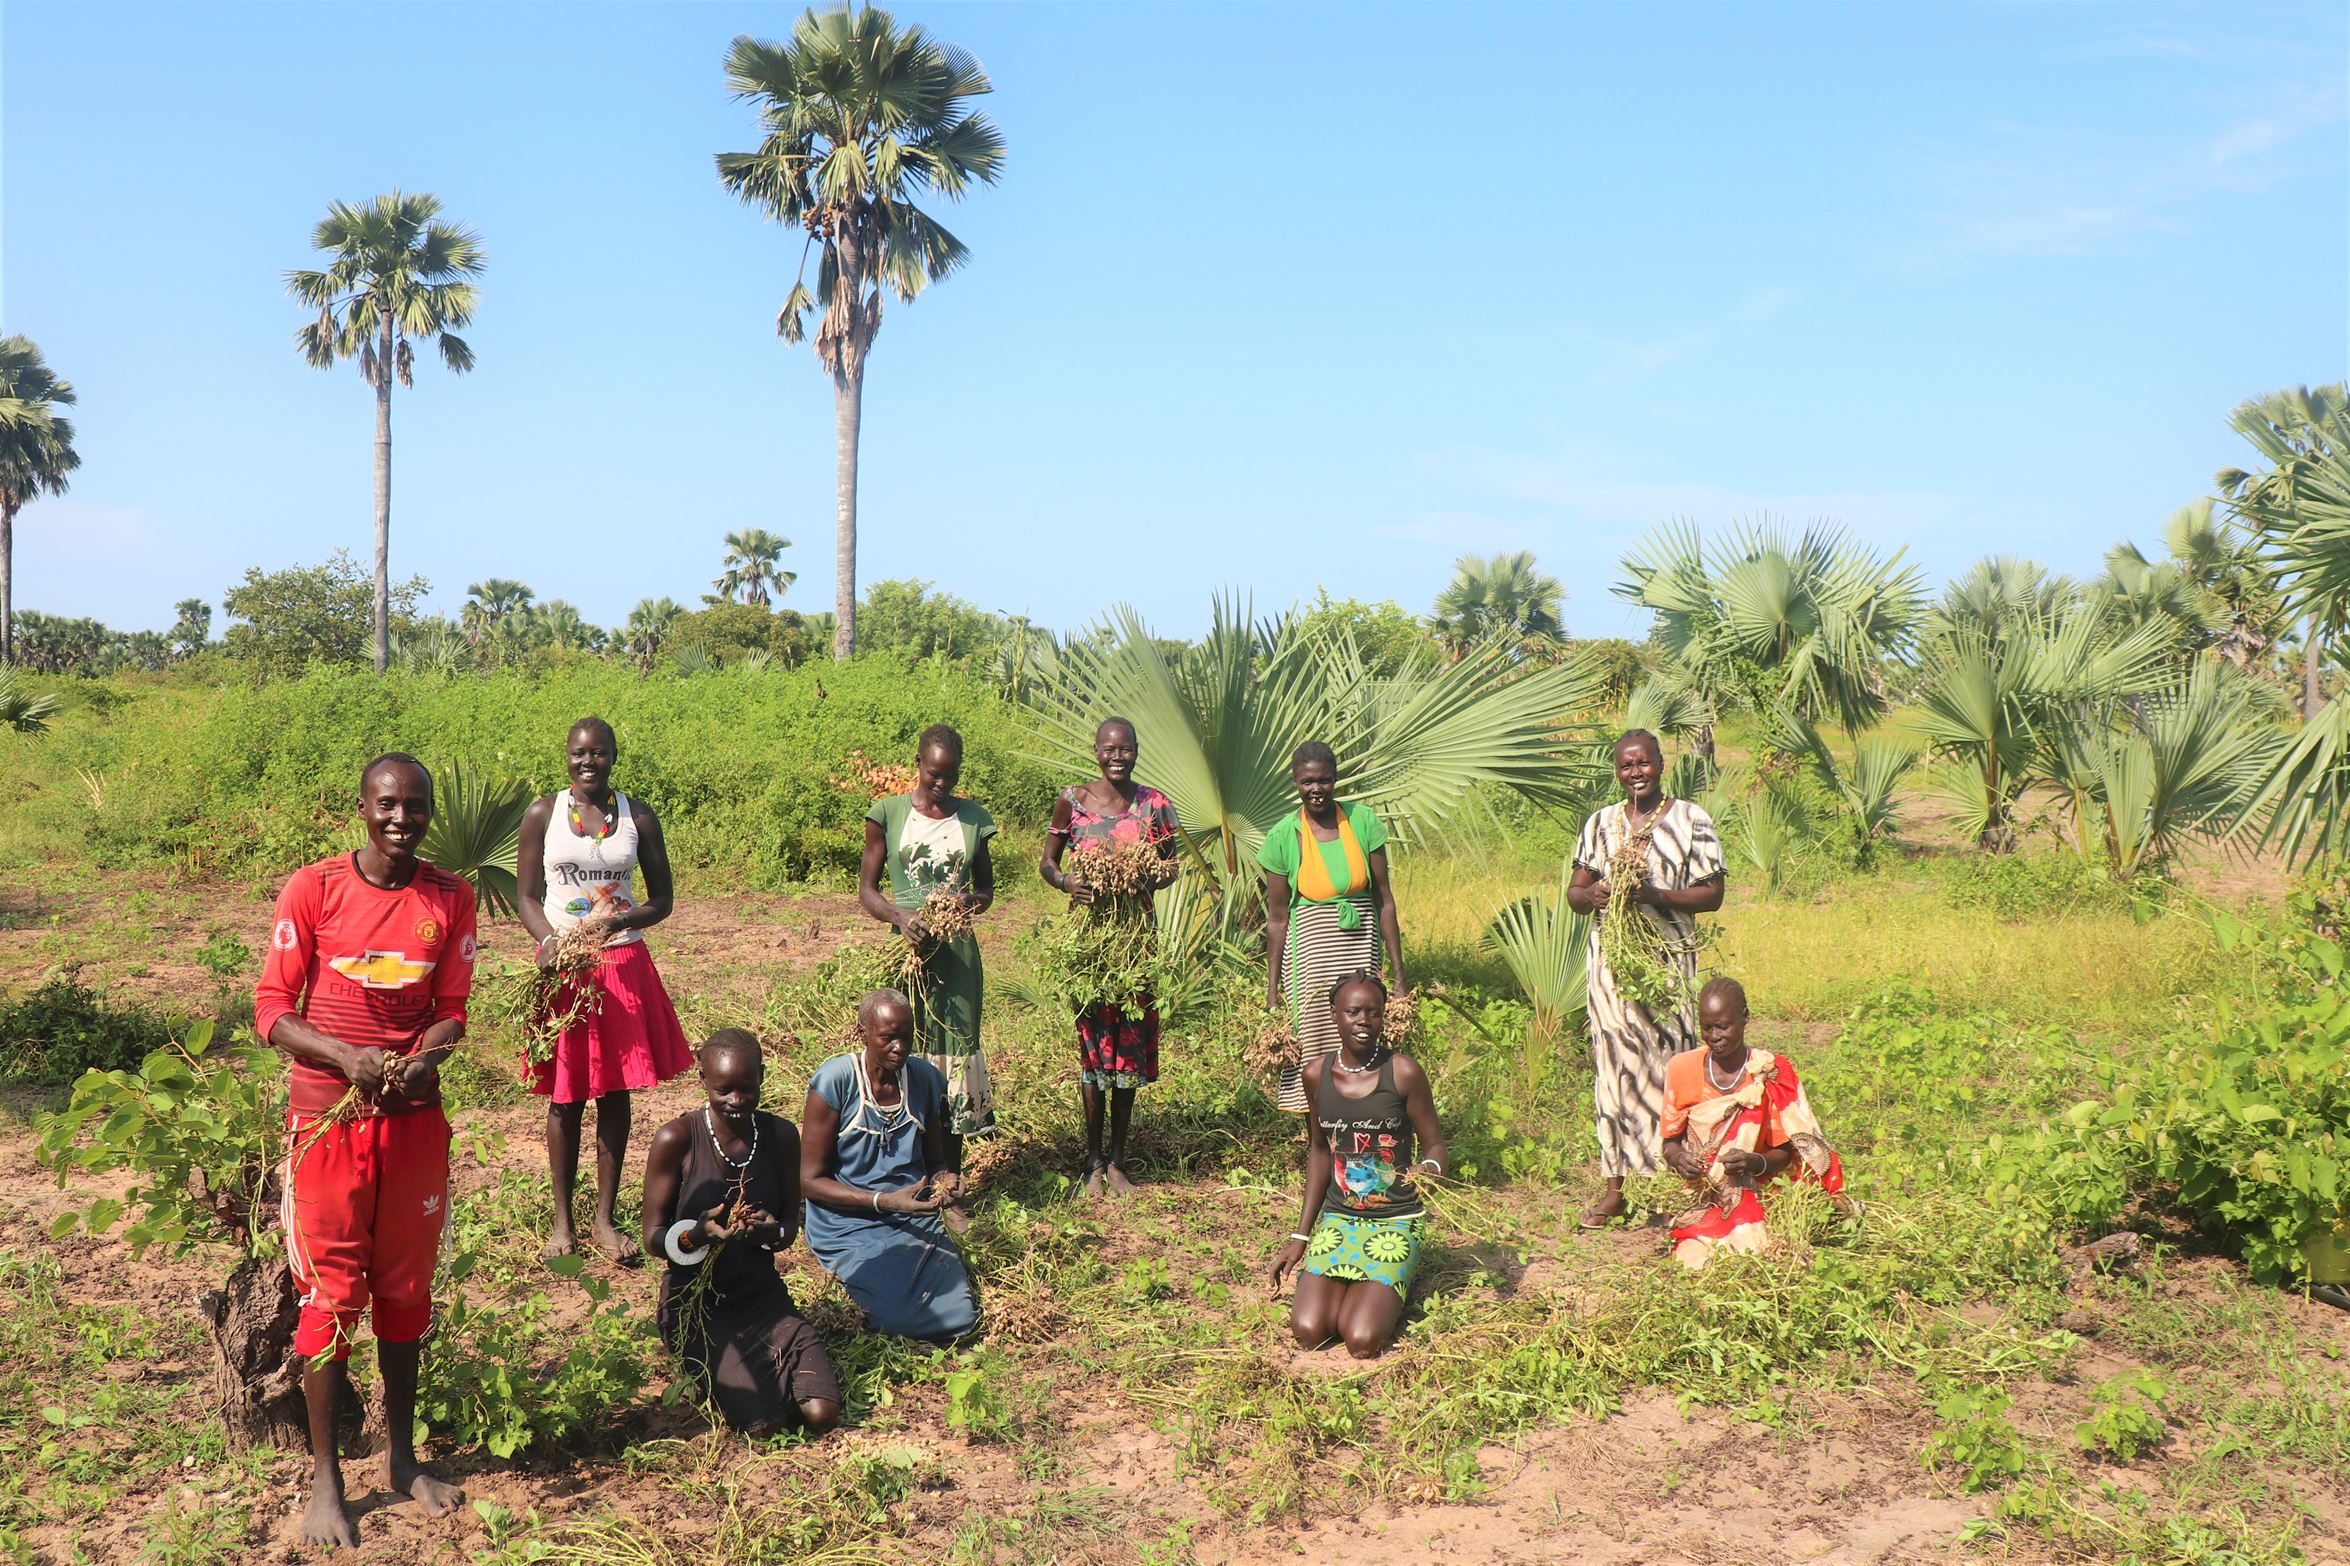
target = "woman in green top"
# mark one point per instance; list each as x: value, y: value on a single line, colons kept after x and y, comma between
x: 1329, y: 911
x: 930, y: 841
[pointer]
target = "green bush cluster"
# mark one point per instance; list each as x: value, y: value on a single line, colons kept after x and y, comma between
x: 54, y: 1033
x: 2030, y: 886
x: 742, y: 764
x: 2242, y: 1122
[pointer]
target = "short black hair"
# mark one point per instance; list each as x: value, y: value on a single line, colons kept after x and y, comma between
x: 730, y: 1041
x: 1655, y: 745
x: 1314, y: 750
x: 593, y: 722
x: 1115, y: 722
x: 939, y: 736
x: 1723, y: 984
x: 1359, y: 976
x: 395, y: 758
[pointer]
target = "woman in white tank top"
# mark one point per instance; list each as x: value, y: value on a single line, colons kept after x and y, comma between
x: 577, y: 856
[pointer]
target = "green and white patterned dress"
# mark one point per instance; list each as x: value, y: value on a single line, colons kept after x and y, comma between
x: 925, y: 856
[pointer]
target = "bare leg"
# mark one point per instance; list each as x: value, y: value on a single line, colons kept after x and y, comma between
x: 955, y: 1215
x: 1091, y: 1097
x: 1607, y: 1206
x: 611, y: 1155
x: 819, y: 1416
x: 326, y: 1521
x: 1313, y: 1314
x: 1367, y: 1318
x: 402, y: 1472
x: 563, y: 1173
x: 1121, y: 1117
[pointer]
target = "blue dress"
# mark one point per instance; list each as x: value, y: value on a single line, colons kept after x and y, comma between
x: 900, y: 1268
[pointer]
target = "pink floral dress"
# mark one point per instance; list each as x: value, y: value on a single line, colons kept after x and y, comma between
x: 1116, y: 1047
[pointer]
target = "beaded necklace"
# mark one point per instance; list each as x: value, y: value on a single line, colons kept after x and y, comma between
x: 579, y: 824
x: 744, y: 1162
x: 1718, y: 1084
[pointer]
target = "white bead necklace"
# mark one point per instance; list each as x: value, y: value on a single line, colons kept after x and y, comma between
x: 1366, y: 1068
x: 744, y: 1162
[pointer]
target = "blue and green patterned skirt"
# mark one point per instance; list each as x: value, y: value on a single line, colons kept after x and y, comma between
x: 1372, y: 1250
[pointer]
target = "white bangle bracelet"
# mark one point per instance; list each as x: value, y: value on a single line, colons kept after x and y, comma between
x: 677, y: 1253
x: 1430, y: 1163
x: 1302, y: 1239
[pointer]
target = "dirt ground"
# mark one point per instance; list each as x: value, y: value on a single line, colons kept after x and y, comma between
x: 1838, y: 1480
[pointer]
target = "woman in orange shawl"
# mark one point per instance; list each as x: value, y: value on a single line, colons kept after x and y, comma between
x: 1734, y: 1119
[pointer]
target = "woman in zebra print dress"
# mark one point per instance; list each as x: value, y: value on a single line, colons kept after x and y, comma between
x: 1329, y: 909
x: 1683, y: 877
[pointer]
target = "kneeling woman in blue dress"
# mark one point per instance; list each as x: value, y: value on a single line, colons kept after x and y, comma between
x: 874, y: 1170
x: 1363, y: 1222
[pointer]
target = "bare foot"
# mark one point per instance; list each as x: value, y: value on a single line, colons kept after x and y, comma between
x: 325, y: 1521
x: 1605, y: 1209
x: 407, y: 1477
x: 1115, y: 1177
x: 561, y: 1243
x: 956, y: 1217
x: 618, y: 1248
x: 1093, y: 1178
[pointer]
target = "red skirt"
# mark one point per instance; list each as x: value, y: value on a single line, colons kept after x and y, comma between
x: 631, y: 1041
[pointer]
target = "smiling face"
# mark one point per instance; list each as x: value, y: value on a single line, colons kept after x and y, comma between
x: 1114, y: 751
x: 731, y: 1079
x: 588, y: 756
x: 887, y: 1027
x: 936, y: 772
x: 395, y: 806
x: 1721, y: 1022
x: 1317, y: 785
x: 1638, y: 768
x: 1359, y: 1008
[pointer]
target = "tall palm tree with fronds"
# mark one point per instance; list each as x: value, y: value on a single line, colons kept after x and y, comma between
x: 397, y: 276
x: 754, y: 567
x: 2298, y: 506
x: 859, y: 117
x: 489, y: 604
x: 36, y: 453
x: 1504, y: 599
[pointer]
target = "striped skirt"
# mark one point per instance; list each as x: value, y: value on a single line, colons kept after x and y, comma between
x: 1321, y: 952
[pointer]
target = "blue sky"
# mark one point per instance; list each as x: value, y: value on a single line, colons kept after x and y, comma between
x: 1270, y: 297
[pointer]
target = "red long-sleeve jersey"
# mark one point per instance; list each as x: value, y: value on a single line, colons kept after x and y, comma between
x: 365, y: 966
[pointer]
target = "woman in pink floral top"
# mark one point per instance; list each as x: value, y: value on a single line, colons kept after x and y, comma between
x: 1118, y: 1049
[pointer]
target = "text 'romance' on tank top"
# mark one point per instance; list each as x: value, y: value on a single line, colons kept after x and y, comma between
x: 589, y: 872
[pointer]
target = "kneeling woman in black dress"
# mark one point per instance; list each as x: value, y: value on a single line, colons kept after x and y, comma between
x: 722, y: 1196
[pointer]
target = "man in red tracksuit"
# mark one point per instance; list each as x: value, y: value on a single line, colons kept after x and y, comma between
x: 364, y: 991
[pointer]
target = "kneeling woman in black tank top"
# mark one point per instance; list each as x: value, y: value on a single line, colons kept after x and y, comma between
x: 1359, y: 1238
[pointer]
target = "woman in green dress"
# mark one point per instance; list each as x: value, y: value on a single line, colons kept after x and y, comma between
x: 927, y: 840
x: 1329, y: 909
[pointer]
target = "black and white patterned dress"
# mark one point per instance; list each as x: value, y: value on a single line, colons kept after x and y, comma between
x: 1629, y: 1047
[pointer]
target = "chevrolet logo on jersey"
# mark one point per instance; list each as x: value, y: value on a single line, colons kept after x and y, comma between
x: 381, y: 970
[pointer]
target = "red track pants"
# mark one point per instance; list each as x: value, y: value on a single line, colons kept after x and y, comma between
x: 363, y: 1208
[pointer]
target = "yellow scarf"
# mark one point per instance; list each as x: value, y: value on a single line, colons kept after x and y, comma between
x: 1313, y: 871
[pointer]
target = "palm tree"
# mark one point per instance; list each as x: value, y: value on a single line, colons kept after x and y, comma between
x: 859, y: 116
x: 1504, y: 598
x: 559, y: 625
x: 1220, y: 721
x: 490, y: 604
x: 22, y: 709
x: 398, y: 275
x: 36, y: 453
x: 2299, y: 510
x: 1803, y: 626
x: 1993, y: 702
x: 648, y: 628
x: 753, y: 567
x: 1865, y: 788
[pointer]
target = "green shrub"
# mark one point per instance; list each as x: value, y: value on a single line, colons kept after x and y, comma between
x: 1976, y: 1438
x: 62, y: 1029
x: 508, y: 1378
x: 740, y: 763
x: 2126, y: 1416
x: 2030, y: 886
